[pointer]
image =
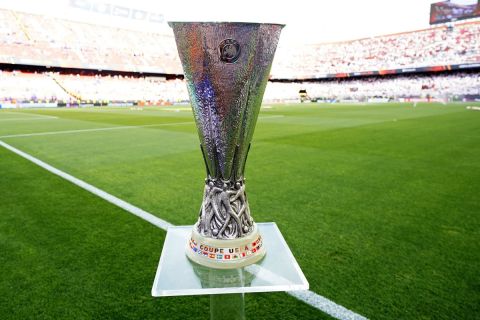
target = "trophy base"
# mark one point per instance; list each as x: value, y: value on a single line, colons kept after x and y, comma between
x: 225, y: 254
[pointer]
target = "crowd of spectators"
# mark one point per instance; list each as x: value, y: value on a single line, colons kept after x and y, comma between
x: 124, y: 88
x: 443, y: 45
x: 52, y: 87
x: 30, y: 39
x: 440, y: 86
x: 19, y: 87
x: 42, y: 40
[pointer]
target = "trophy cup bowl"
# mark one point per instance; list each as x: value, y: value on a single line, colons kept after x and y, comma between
x: 226, y: 66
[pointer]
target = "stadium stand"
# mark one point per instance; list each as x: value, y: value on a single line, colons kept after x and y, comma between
x: 141, y: 61
x: 19, y: 87
x: 33, y: 39
x: 71, y: 88
x: 150, y: 90
x: 458, y: 86
x: 25, y: 87
x: 40, y: 40
x: 437, y: 46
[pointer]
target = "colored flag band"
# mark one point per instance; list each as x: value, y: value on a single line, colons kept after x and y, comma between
x: 226, y: 253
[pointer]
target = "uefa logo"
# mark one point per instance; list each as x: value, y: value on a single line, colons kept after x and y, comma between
x: 229, y: 50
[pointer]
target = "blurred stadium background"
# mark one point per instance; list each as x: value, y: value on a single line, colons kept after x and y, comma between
x: 380, y: 135
x: 50, y: 61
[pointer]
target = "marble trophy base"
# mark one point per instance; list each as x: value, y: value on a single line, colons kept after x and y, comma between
x: 225, y: 254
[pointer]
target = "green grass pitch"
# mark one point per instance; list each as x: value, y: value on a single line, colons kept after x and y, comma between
x: 380, y: 205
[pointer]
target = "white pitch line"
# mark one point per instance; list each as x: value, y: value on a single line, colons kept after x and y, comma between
x: 98, y: 192
x: 326, y: 305
x: 48, y: 133
x: 309, y: 297
x: 27, y: 119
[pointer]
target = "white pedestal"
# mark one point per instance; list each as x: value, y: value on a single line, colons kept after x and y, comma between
x: 178, y: 276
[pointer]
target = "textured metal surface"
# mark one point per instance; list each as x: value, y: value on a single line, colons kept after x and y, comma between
x: 226, y: 66
x: 225, y: 213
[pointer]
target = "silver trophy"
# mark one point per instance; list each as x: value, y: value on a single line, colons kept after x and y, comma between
x: 226, y: 66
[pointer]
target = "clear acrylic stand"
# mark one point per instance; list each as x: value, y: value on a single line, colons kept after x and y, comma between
x: 178, y: 276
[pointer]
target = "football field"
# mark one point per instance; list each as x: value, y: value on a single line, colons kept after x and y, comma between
x: 380, y: 205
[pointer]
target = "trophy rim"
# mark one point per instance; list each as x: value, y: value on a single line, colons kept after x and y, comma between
x: 171, y: 23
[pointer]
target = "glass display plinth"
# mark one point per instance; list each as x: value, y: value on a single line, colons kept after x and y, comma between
x: 178, y: 276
